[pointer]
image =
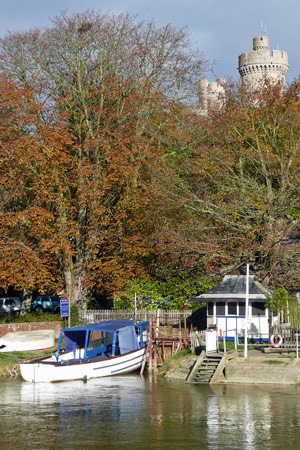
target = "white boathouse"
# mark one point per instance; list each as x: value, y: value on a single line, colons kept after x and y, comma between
x: 226, y: 308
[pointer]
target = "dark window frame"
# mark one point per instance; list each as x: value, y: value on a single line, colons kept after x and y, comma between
x: 218, y: 306
x: 231, y: 304
x: 243, y: 307
x: 258, y: 306
x: 210, y: 307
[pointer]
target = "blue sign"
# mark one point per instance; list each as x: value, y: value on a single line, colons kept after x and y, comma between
x: 64, y: 307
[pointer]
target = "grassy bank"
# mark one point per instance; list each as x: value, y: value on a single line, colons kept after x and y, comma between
x: 175, y: 361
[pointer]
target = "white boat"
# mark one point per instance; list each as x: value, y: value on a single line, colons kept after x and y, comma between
x: 21, y: 341
x: 93, y: 350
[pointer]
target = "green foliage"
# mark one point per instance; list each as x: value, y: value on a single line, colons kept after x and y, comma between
x: 74, y: 315
x: 273, y: 362
x: 179, y: 355
x: 229, y: 346
x: 41, y: 317
x: 294, y: 314
x: 153, y: 294
x: 282, y: 302
x: 279, y: 301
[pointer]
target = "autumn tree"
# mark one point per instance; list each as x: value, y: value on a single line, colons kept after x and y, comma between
x: 46, y: 186
x: 240, y: 187
x: 112, y: 82
x: 30, y: 176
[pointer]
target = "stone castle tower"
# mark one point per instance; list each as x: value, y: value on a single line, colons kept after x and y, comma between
x: 260, y: 63
x: 211, y: 94
x: 254, y: 66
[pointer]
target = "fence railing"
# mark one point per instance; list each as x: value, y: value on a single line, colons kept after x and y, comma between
x: 165, y: 317
x: 197, y: 338
x: 287, y: 333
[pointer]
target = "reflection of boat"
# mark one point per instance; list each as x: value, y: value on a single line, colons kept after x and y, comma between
x: 20, y: 341
x: 92, y: 350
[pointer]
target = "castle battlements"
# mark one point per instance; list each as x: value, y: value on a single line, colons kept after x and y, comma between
x: 261, y: 62
x: 254, y: 67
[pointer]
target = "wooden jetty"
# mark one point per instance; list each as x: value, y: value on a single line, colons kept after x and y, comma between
x: 163, y: 343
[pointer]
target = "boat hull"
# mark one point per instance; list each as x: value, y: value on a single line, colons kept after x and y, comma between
x: 48, y: 370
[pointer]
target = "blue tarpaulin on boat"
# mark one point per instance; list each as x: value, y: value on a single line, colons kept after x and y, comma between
x: 112, y: 325
x: 128, y: 340
x: 74, y: 339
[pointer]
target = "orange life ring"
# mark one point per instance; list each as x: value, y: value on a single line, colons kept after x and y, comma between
x: 276, y: 340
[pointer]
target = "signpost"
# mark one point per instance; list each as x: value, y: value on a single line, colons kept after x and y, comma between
x: 65, y: 309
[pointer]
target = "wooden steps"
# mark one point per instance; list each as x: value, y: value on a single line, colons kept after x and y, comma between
x: 208, y: 367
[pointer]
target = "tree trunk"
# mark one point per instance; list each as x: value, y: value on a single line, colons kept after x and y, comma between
x: 74, y: 287
x: 26, y: 303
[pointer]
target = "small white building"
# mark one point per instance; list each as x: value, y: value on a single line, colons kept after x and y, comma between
x: 226, y: 308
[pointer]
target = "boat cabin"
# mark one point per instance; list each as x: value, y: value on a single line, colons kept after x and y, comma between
x: 226, y: 308
x: 103, y: 339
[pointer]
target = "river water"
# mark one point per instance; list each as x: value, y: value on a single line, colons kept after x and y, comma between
x: 130, y: 412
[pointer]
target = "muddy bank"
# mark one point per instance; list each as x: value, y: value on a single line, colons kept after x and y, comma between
x: 179, y: 368
x: 9, y: 370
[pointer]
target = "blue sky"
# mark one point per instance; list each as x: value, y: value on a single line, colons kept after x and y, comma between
x: 221, y: 29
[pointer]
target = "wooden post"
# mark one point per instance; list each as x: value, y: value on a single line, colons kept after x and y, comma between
x: 145, y: 359
x: 157, y: 324
x: 69, y: 318
x: 180, y: 341
x: 150, y: 344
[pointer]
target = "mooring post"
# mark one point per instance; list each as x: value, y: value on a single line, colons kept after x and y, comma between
x: 180, y: 336
x: 150, y: 343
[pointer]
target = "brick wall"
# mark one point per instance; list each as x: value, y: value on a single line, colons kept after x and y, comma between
x: 29, y: 326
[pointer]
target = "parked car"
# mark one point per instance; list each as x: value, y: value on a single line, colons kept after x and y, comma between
x: 46, y: 303
x: 10, y: 305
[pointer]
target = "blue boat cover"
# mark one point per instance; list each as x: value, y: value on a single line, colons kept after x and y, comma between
x: 110, y: 325
x: 128, y: 340
x: 76, y: 336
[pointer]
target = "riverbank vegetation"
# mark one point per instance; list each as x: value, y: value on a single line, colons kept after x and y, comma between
x: 9, y: 362
x: 41, y: 317
x: 112, y: 183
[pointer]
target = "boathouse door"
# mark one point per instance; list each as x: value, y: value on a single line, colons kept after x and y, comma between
x: 211, y: 341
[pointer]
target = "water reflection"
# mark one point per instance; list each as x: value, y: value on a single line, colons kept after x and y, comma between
x: 131, y: 412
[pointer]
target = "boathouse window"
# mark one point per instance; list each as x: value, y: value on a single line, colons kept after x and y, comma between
x: 242, y: 309
x: 232, y: 308
x: 210, y: 309
x: 258, y: 309
x: 220, y: 308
